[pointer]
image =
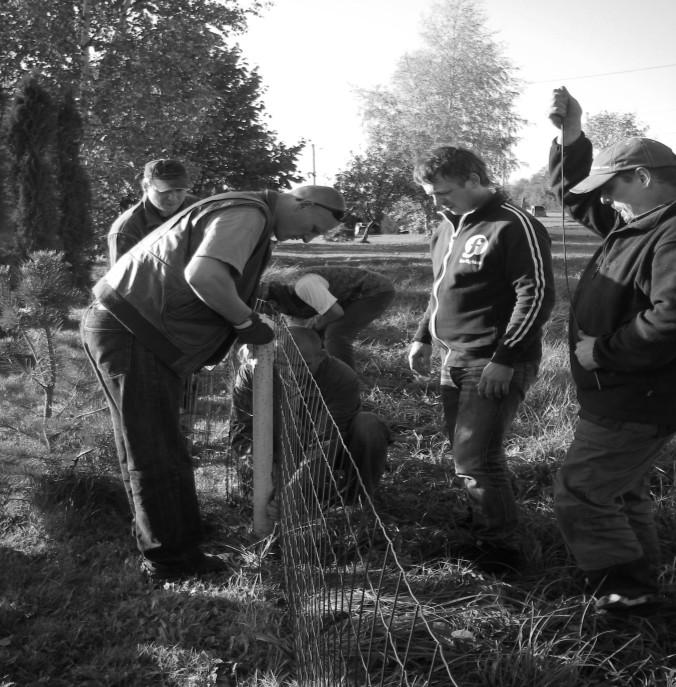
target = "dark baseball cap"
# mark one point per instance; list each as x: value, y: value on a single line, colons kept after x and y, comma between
x: 166, y: 174
x: 624, y: 156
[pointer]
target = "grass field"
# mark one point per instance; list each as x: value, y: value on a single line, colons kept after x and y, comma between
x: 75, y: 611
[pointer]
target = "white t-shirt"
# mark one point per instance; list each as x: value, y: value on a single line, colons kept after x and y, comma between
x: 314, y: 290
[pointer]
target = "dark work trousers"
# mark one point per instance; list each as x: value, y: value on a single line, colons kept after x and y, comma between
x: 366, y: 438
x: 339, y: 335
x: 144, y: 397
x: 602, y: 498
x: 367, y: 442
x: 476, y: 427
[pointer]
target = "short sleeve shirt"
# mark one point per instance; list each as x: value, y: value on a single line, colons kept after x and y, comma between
x: 314, y: 290
x: 231, y: 236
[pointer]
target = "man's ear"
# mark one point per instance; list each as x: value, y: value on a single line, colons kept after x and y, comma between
x: 473, y: 180
x: 644, y: 175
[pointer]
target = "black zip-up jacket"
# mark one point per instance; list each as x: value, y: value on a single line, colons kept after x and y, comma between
x: 626, y: 298
x: 493, y: 286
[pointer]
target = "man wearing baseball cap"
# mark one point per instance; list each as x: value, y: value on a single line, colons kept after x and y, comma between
x: 623, y: 356
x: 165, y: 185
x: 176, y: 301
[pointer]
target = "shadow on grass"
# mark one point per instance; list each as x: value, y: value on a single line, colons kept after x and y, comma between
x: 75, y: 609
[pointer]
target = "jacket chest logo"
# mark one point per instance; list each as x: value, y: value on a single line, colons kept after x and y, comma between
x: 475, y: 247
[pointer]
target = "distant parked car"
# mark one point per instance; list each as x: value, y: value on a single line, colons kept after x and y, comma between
x: 538, y: 211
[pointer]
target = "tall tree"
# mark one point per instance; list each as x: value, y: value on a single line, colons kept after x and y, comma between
x: 237, y: 150
x: 6, y: 230
x: 40, y: 36
x: 373, y: 182
x: 152, y: 78
x: 605, y: 128
x: 458, y: 89
x: 75, y: 225
x: 31, y: 128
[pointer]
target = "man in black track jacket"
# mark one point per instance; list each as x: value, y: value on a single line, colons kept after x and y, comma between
x: 623, y: 355
x: 493, y: 290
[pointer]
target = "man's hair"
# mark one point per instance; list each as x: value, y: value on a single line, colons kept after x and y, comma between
x: 665, y: 175
x: 451, y: 163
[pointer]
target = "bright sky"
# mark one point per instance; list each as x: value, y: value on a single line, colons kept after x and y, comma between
x: 610, y: 54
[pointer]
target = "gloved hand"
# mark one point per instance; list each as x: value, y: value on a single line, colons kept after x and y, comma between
x: 258, y: 332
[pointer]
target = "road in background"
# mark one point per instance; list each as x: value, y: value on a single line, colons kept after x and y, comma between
x: 579, y: 243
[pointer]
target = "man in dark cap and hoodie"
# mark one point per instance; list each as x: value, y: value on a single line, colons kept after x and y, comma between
x: 165, y: 187
x: 174, y: 302
x: 623, y: 356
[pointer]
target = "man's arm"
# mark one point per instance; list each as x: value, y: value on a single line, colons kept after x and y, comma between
x: 339, y: 385
x: 528, y: 268
x: 320, y: 322
x: 123, y: 234
x: 313, y: 290
x: 570, y: 159
x: 419, y: 357
x: 213, y: 284
x: 229, y: 240
x: 646, y: 341
x: 420, y: 351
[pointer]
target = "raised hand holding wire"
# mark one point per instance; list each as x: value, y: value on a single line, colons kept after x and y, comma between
x: 565, y: 113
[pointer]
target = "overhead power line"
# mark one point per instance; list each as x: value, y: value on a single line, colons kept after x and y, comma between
x: 593, y: 76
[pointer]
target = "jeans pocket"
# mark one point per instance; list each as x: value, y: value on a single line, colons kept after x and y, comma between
x: 108, y: 343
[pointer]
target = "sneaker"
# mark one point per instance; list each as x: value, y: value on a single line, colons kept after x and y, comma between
x: 203, y: 565
x: 619, y: 603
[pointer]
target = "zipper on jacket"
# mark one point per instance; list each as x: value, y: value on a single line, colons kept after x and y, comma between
x: 437, y: 283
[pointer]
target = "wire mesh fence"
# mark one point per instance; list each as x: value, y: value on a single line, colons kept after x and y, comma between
x: 356, y: 618
x: 206, y: 422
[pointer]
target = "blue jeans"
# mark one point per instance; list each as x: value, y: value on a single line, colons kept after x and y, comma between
x: 144, y: 397
x: 476, y: 428
x: 339, y: 335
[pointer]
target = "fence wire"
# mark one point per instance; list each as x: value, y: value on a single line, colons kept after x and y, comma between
x: 355, y: 618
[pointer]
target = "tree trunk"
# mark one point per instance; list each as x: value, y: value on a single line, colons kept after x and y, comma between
x: 50, y: 382
x: 85, y: 59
